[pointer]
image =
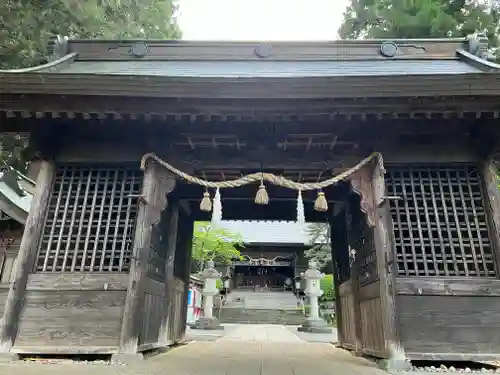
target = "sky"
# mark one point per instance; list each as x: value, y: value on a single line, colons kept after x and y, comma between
x: 260, y: 20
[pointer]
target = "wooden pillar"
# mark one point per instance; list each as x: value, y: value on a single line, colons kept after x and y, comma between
x: 27, y: 254
x: 168, y: 310
x: 387, y: 271
x: 155, y: 188
x: 490, y: 177
x: 338, y: 244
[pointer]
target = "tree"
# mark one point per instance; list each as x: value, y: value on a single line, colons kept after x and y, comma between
x: 28, y: 26
x: 215, y: 243
x: 320, y: 250
x: 421, y: 19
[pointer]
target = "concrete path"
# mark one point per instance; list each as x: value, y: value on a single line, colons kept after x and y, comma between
x: 259, y: 333
x: 239, y: 350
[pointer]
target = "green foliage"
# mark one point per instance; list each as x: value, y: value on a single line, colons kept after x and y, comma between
x: 217, y: 244
x: 421, y: 19
x: 27, y: 27
x: 326, y: 284
x: 320, y: 251
x: 11, y: 148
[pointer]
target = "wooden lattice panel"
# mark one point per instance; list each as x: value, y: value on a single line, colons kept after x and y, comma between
x: 90, y: 221
x: 440, y: 225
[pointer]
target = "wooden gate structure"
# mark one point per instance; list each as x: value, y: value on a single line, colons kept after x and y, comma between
x: 104, y: 261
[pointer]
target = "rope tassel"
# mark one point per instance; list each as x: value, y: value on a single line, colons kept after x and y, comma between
x: 262, y: 197
x: 206, y: 203
x: 301, y: 217
x: 321, y: 204
x: 217, y: 205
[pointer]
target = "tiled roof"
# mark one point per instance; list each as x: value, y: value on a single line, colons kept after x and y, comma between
x: 270, y: 69
x: 267, y: 232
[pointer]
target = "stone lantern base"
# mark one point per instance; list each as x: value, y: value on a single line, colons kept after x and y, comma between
x: 211, y: 324
x: 315, y: 326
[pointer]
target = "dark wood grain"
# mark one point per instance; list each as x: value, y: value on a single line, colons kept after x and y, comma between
x: 71, y: 318
x: 450, y: 327
x: 27, y: 252
x: 384, y: 244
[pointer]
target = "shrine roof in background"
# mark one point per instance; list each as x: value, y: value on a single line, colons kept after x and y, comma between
x: 265, y: 232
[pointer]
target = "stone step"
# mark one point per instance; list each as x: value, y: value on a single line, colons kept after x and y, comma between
x: 260, y: 316
x: 262, y: 300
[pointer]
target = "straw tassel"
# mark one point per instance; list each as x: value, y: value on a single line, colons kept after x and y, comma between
x: 217, y: 205
x: 262, y: 197
x: 206, y: 203
x: 301, y: 218
x: 320, y: 204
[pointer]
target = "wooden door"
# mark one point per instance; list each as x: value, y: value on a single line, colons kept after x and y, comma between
x: 356, y: 254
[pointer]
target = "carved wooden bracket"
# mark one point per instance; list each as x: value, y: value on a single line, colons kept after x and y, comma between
x: 362, y: 184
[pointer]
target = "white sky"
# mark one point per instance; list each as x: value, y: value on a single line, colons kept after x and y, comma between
x: 260, y: 20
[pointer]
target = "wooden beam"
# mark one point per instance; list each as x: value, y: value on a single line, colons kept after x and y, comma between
x: 26, y: 257
x: 278, y: 109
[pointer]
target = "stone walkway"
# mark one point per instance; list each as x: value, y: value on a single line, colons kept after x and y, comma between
x: 239, y: 350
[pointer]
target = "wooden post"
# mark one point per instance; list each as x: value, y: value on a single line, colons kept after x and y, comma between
x: 490, y: 177
x: 354, y: 286
x: 338, y: 244
x: 26, y: 257
x: 186, y: 251
x: 387, y: 270
x: 152, y: 202
x: 173, y: 226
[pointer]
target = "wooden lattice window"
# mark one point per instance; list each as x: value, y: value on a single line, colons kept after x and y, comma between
x: 440, y: 225
x: 90, y: 220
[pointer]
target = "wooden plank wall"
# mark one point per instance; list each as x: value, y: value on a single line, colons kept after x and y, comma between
x: 348, y: 326
x: 176, y: 323
x: 372, y: 333
x: 151, y: 313
x: 449, y: 319
x: 72, y: 313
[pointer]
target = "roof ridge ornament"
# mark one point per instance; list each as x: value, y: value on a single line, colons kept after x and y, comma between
x: 57, y: 47
x: 263, y: 50
x: 479, y: 45
x: 139, y: 49
x: 389, y: 49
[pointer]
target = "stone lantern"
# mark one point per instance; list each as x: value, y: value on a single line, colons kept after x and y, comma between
x: 210, y: 277
x: 314, y: 323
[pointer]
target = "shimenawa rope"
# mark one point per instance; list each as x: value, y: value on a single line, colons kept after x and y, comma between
x: 320, y: 204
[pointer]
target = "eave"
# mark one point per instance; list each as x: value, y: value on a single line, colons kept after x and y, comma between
x: 430, y: 85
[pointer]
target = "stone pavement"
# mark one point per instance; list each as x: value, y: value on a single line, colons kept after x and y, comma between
x: 239, y: 350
